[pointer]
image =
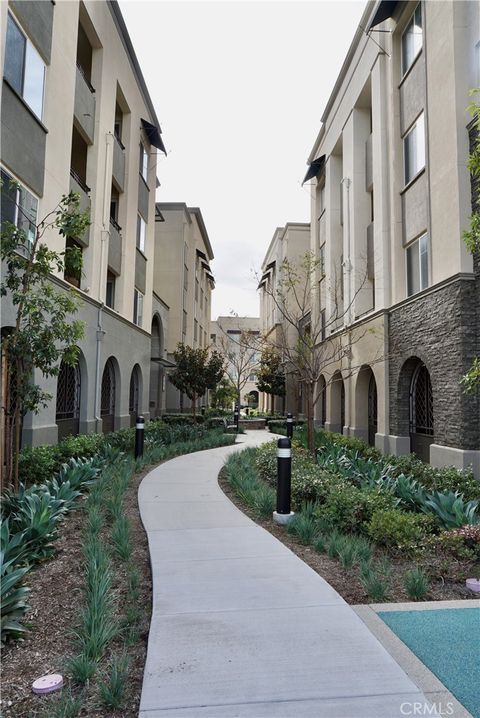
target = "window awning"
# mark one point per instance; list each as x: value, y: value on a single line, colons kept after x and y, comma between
x: 206, y: 267
x: 385, y: 10
x: 154, y: 135
x: 201, y: 254
x: 211, y: 277
x: 314, y: 169
x: 270, y: 266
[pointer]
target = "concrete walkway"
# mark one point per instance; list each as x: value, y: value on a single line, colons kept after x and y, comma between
x: 240, y: 625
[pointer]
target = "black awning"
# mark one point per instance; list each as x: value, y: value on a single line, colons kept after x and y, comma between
x: 153, y: 134
x: 205, y: 266
x: 270, y: 266
x: 314, y: 168
x: 201, y: 254
x: 383, y: 12
x: 211, y: 277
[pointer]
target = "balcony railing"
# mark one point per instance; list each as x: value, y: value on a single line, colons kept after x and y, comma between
x: 115, y: 224
x: 84, y: 75
x: 79, y: 181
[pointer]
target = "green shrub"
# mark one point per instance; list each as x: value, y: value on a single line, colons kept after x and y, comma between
x: 348, y: 508
x: 463, y: 542
x: 347, y: 552
x: 436, y: 479
x: 374, y: 584
x: 265, y: 501
x: 320, y: 543
x: 335, y: 543
x: 399, y: 530
x: 81, y: 668
x: 416, y: 584
x: 112, y: 691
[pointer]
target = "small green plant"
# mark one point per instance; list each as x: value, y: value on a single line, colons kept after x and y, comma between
x: 320, y: 543
x: 416, y: 584
x: 66, y: 705
x: 303, y: 526
x: 112, y: 690
x: 335, y: 542
x: 265, y: 501
x: 81, y: 668
x: 363, y: 548
x: 122, y: 539
x: 374, y: 583
x: 347, y: 552
x: 133, y: 580
x: 13, y: 595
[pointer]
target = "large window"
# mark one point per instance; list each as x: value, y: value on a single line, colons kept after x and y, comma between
x: 417, y: 265
x: 412, y: 39
x: 414, y: 149
x: 143, y: 162
x: 141, y: 233
x: 24, y: 69
x: 138, y: 308
x: 19, y: 207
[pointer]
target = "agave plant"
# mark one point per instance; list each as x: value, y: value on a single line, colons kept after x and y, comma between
x: 13, y: 546
x: 79, y: 472
x: 451, y: 510
x: 12, y: 595
x: 37, y: 518
x: 410, y: 493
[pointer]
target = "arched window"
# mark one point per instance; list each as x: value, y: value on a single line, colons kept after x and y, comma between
x: 108, y: 397
x: 421, y: 412
x: 372, y: 410
x: 134, y: 396
x: 68, y: 400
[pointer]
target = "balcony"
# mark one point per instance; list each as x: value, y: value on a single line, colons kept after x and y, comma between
x: 118, y: 169
x: 84, y: 107
x: 115, y: 248
x: 78, y: 185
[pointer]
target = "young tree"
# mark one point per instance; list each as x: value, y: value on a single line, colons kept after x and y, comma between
x: 196, y: 371
x: 271, y: 376
x: 471, y: 236
x: 224, y: 394
x: 43, y: 333
x: 240, y: 353
x: 302, y: 338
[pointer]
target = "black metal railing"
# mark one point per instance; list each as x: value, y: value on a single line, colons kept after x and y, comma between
x: 122, y: 146
x: 115, y: 224
x: 79, y: 181
x: 87, y: 81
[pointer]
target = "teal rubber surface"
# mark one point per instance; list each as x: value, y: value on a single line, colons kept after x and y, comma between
x: 447, y: 641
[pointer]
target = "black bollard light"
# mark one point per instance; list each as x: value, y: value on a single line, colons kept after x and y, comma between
x: 139, y: 436
x: 284, y: 474
x: 289, y: 425
x: 236, y: 416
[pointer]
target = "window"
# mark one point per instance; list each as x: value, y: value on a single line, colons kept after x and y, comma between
x: 184, y: 323
x: 24, y: 69
x: 417, y: 266
x: 414, y: 149
x: 143, y: 162
x: 412, y: 39
x: 213, y: 338
x: 137, y: 308
x: 195, y: 330
x: 110, y: 293
x: 19, y: 207
x: 141, y: 233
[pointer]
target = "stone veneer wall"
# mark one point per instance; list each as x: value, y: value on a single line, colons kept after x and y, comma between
x: 441, y: 329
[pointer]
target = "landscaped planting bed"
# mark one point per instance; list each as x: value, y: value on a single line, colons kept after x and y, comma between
x: 83, y: 569
x: 375, y: 533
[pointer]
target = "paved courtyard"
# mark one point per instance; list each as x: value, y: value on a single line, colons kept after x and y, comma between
x: 240, y: 625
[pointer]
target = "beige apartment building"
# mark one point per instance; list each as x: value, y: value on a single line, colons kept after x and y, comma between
x: 290, y: 243
x: 185, y: 281
x: 76, y: 115
x: 237, y: 339
x: 391, y: 194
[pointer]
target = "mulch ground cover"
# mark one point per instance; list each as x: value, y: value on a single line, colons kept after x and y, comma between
x: 346, y: 581
x: 55, y: 597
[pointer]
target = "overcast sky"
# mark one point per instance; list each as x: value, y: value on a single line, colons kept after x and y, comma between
x: 239, y: 89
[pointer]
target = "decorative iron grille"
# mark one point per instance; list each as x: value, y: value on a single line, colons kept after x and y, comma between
x: 108, y: 389
x: 421, y: 402
x: 342, y: 406
x: 68, y: 392
x: 134, y: 392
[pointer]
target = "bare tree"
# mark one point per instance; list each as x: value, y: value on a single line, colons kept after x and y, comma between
x: 312, y: 339
x: 241, y: 357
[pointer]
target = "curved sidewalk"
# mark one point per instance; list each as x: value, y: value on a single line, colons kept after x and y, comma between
x: 240, y: 625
